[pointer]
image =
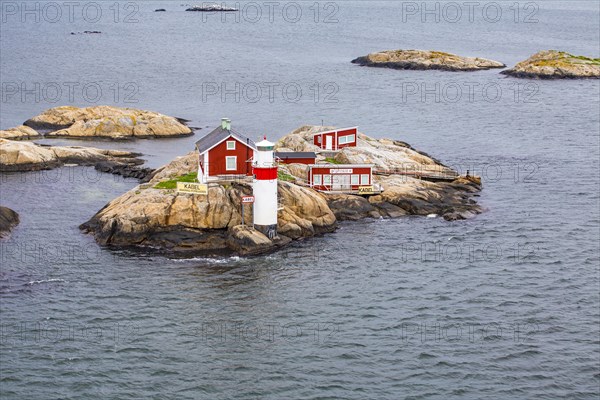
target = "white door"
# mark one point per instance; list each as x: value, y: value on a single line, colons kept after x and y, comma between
x: 328, y: 142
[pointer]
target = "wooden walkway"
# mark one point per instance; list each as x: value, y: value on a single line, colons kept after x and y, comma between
x: 432, y: 176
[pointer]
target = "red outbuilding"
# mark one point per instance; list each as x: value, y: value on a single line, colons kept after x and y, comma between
x: 296, y: 157
x: 342, y: 178
x: 224, y: 152
x: 336, y: 139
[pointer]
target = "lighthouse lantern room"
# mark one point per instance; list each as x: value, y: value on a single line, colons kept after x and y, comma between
x: 264, y: 186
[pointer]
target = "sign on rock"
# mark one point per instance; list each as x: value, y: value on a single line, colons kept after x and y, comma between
x: 247, y: 199
x: 193, y: 188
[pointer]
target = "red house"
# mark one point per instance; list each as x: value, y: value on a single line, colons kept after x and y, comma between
x: 336, y: 139
x: 342, y: 177
x: 298, y: 157
x: 224, y: 151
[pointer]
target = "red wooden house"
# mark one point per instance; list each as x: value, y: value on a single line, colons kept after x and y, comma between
x: 224, y: 151
x: 336, y: 139
x: 296, y: 157
x: 342, y: 177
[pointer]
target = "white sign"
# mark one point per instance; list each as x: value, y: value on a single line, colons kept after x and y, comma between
x: 340, y: 171
x: 247, y: 199
x: 193, y: 188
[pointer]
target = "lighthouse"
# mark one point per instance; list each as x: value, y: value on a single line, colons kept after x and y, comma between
x: 264, y: 187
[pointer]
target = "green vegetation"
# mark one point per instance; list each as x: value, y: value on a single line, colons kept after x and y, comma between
x: 283, y: 176
x: 565, y: 59
x: 440, y: 54
x: 172, y: 183
x: 332, y: 160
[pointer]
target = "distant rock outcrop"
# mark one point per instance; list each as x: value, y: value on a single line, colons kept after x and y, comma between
x: 8, y: 220
x: 19, y: 133
x: 19, y: 156
x: 107, y: 122
x: 553, y: 64
x: 211, y: 8
x: 147, y: 216
x: 424, y: 60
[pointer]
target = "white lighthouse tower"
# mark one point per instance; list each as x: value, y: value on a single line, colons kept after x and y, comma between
x: 265, y: 189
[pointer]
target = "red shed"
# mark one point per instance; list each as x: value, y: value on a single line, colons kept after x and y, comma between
x: 299, y: 157
x: 224, y: 152
x: 336, y: 139
x: 342, y: 177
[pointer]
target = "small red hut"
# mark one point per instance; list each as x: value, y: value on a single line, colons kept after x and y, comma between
x: 296, y: 157
x: 336, y: 139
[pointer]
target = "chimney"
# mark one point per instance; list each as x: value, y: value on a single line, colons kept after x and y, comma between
x: 223, y: 123
x: 228, y: 122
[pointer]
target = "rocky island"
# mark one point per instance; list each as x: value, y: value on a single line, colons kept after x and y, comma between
x: 425, y: 60
x: 107, y: 122
x: 211, y: 8
x: 8, y: 220
x: 553, y: 64
x: 155, y: 216
x: 19, y: 156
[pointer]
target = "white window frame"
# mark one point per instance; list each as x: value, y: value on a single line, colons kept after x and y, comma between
x: 227, y: 159
x: 364, y: 181
x: 231, y: 142
x: 317, y: 180
x: 355, y: 179
x: 326, y: 180
x: 347, y: 139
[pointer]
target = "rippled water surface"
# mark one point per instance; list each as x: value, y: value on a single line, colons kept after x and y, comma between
x: 503, y: 306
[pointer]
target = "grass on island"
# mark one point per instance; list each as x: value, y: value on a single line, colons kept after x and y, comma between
x: 565, y: 60
x: 283, y: 176
x: 332, y: 160
x: 172, y: 183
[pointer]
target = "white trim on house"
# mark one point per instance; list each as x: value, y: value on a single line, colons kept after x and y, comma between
x: 232, y: 142
x: 335, y: 130
x: 230, y: 136
x: 206, y: 166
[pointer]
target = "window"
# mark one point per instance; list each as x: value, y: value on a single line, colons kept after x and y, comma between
x: 317, y: 180
x: 347, y: 139
x: 326, y: 179
x: 230, y: 163
x: 355, y: 180
x: 364, y: 179
x: 231, y: 145
x: 319, y: 139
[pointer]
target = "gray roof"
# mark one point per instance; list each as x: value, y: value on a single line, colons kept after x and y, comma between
x: 296, y: 154
x: 218, y: 135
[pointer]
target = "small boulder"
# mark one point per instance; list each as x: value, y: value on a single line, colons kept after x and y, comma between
x: 8, y: 220
x: 245, y: 240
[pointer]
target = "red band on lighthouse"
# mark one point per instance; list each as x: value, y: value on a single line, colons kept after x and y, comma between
x: 265, y: 174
